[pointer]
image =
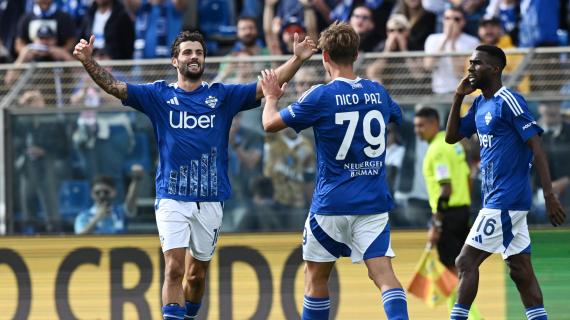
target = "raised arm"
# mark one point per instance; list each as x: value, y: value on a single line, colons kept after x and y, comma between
x: 555, y: 211
x: 104, y: 79
x: 273, y: 90
x: 452, y: 134
x: 301, y: 52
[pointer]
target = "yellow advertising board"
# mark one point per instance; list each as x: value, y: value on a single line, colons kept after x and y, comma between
x: 252, y: 276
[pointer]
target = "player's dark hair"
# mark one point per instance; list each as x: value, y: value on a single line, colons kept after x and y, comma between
x: 187, y: 36
x: 497, y: 54
x: 106, y: 180
x: 429, y: 113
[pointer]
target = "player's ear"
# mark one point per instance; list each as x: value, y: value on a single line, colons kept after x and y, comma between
x: 326, y: 56
x: 174, y: 62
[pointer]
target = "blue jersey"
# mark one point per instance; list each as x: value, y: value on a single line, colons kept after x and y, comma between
x: 191, y: 130
x: 349, y: 119
x: 503, y: 124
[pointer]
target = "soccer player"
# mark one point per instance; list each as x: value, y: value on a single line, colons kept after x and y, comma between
x: 509, y: 139
x: 349, y: 211
x: 191, y: 121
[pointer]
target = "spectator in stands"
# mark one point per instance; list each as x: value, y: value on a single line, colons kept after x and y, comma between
x: 264, y: 214
x: 106, y: 216
x: 381, y: 10
x: 401, y: 76
x: 245, y: 153
x: 361, y: 21
x: 447, y: 71
x: 10, y: 13
x: 556, y: 143
x: 43, y: 49
x: 112, y: 26
x: 279, y: 31
x: 491, y: 32
x: 394, y: 155
x: 422, y: 22
x: 157, y: 23
x: 473, y: 12
x: 539, y: 23
x: 508, y: 12
x: 289, y: 162
x: 46, y: 13
x: 248, y: 44
x: 39, y: 143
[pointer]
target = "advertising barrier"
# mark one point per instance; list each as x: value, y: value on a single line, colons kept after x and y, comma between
x: 252, y: 276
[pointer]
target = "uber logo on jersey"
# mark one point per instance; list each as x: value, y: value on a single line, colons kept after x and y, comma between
x: 485, y: 140
x: 185, y: 120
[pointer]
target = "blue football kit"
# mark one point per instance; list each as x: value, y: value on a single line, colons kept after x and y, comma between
x: 191, y: 130
x: 503, y: 125
x: 349, y: 119
x: 347, y: 216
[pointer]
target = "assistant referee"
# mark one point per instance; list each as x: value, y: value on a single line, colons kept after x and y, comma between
x: 446, y: 174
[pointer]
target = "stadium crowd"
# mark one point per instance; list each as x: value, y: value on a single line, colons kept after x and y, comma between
x: 272, y: 174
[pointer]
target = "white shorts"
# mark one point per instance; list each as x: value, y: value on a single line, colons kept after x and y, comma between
x: 361, y: 237
x: 194, y: 225
x: 500, y: 231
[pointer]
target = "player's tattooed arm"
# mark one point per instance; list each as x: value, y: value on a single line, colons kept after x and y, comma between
x: 84, y: 53
x: 105, y: 79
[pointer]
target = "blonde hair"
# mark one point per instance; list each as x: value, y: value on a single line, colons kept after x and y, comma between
x: 341, y: 42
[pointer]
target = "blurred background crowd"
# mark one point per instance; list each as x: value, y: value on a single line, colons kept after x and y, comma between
x: 77, y: 163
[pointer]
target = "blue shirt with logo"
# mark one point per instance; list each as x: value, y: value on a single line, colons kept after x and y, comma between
x: 191, y: 130
x: 503, y: 124
x: 349, y: 119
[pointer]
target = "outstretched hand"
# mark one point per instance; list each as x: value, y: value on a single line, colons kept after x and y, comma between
x: 556, y: 213
x: 305, y: 49
x: 464, y: 88
x: 270, y: 84
x: 84, y: 50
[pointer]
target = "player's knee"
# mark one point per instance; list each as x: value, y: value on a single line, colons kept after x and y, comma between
x: 196, y: 278
x: 518, y: 272
x: 174, y: 271
x: 464, y: 264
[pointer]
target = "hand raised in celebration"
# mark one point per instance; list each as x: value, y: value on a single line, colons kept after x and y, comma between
x: 305, y: 49
x: 270, y: 84
x: 84, y: 50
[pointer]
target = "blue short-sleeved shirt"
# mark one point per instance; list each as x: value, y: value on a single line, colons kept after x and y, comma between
x: 503, y: 124
x: 349, y: 119
x: 191, y: 130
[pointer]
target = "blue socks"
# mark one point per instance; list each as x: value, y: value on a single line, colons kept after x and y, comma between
x: 536, y: 313
x: 316, y: 308
x: 173, y: 311
x: 191, y: 310
x: 395, y: 304
x: 459, y: 312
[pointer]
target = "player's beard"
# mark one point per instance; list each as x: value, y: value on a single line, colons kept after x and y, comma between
x: 192, y: 75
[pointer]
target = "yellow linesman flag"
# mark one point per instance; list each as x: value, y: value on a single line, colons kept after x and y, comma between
x: 432, y: 282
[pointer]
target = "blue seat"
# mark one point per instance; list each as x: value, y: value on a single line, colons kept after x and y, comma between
x: 74, y: 196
